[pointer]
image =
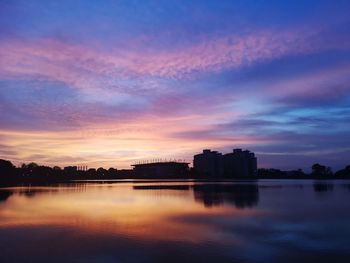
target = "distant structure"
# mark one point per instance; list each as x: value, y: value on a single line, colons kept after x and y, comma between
x: 238, y: 163
x: 82, y: 168
x: 74, y: 169
x: 209, y: 163
x: 161, y: 169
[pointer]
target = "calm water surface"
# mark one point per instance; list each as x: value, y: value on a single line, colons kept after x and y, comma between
x: 265, y: 221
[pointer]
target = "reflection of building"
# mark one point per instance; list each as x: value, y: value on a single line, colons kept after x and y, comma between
x: 236, y: 164
x: 209, y: 163
x: 240, y: 195
x: 161, y: 169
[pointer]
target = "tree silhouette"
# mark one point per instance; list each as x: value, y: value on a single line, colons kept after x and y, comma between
x: 344, y: 172
x: 101, y: 171
x: 321, y: 170
x: 112, y: 172
x: 6, y: 168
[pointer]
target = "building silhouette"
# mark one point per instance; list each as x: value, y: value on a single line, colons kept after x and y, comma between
x: 161, y: 169
x: 209, y: 163
x: 238, y: 163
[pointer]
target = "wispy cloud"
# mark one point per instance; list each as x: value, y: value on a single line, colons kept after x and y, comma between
x: 83, y: 67
x: 109, y: 89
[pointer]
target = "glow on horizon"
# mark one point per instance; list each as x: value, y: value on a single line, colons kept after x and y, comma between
x: 109, y: 83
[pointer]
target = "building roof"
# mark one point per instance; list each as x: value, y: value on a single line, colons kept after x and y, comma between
x: 159, y: 164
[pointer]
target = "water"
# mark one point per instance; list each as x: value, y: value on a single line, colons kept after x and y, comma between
x: 265, y: 221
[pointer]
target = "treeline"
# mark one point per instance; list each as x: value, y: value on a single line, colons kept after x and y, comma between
x: 317, y: 171
x: 33, y: 173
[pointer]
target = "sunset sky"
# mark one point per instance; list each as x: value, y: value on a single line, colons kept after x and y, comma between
x: 108, y: 83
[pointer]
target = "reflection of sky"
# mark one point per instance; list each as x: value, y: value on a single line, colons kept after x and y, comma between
x: 114, y: 211
x: 130, y: 222
x: 107, y: 83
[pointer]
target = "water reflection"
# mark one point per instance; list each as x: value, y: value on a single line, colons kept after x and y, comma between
x: 162, y: 187
x: 4, y: 195
x: 175, y: 222
x: 347, y: 186
x: 322, y: 188
x: 240, y: 195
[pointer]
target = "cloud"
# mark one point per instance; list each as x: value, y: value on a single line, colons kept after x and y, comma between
x: 74, y: 103
x: 7, y: 151
x: 86, y: 68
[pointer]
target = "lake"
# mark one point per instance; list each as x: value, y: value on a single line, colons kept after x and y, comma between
x: 184, y: 221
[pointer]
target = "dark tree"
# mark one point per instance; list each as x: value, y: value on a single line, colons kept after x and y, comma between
x: 101, y: 172
x: 8, y: 172
x: 32, y: 165
x: 6, y: 168
x: 112, y: 172
x: 321, y: 170
x: 91, y: 172
x: 344, y: 172
x: 262, y: 172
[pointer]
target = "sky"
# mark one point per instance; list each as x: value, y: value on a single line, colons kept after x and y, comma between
x: 110, y: 83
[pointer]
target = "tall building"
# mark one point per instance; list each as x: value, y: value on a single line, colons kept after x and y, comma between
x: 238, y: 163
x: 253, y: 164
x: 209, y: 163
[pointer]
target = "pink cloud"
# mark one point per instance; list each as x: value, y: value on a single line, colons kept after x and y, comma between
x: 324, y: 84
x: 86, y: 68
